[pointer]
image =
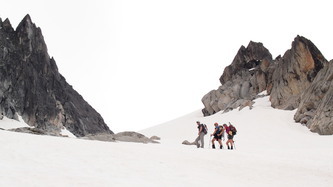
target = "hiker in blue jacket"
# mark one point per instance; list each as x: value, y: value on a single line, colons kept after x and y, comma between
x: 218, y: 132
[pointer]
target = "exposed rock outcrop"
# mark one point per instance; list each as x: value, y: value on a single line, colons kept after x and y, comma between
x: 130, y: 136
x: 294, y: 73
x: 316, y: 107
x: 105, y: 137
x: 300, y: 79
x: 127, y: 136
x: 29, y: 130
x: 186, y: 142
x: 31, y: 86
x: 241, y: 81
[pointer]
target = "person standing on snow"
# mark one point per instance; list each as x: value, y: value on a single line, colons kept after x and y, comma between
x: 217, y: 135
x: 231, y: 131
x: 201, y: 135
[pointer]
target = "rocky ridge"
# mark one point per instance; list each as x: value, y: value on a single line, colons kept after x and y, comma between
x: 300, y: 79
x: 32, y: 87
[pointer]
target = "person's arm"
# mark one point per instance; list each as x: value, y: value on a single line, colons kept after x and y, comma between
x: 214, y: 132
x: 224, y: 130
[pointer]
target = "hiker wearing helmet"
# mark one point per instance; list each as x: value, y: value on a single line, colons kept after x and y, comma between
x: 201, y: 134
x: 231, y: 131
x: 218, y: 131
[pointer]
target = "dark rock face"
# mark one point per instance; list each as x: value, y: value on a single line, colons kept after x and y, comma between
x: 247, y: 58
x: 31, y: 86
x: 315, y: 110
x: 300, y: 79
x: 241, y: 81
x: 294, y: 73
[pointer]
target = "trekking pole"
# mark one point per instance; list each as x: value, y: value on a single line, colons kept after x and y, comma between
x: 234, y: 144
x: 210, y: 140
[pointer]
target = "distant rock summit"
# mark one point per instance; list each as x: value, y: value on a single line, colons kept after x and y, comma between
x: 32, y: 87
x: 300, y: 79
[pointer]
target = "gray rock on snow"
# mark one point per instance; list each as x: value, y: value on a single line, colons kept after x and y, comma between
x: 155, y: 138
x: 130, y: 136
x: 100, y: 137
x: 127, y: 136
x: 186, y: 142
x: 30, y: 130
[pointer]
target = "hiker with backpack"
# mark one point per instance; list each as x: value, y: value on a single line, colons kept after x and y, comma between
x: 218, y: 132
x: 231, y: 132
x: 202, y: 131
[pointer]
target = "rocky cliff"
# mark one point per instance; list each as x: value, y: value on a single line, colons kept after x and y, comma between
x: 294, y: 73
x: 32, y: 87
x: 316, y: 106
x: 248, y: 75
x: 300, y: 79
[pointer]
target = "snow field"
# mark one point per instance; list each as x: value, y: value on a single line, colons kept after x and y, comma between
x: 271, y: 150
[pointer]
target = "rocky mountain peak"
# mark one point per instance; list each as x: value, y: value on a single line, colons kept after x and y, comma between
x: 314, y: 59
x: 6, y: 25
x: 32, y: 87
x: 30, y: 36
x: 301, y: 79
x: 245, y: 59
x: 294, y: 73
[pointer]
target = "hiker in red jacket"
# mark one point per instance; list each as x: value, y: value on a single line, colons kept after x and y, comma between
x: 231, y: 131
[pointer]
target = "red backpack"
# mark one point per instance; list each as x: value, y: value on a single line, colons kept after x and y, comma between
x: 233, y: 129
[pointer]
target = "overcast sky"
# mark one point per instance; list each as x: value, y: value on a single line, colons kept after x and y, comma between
x: 154, y: 59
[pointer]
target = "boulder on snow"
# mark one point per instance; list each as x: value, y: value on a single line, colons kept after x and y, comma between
x: 130, y: 136
x: 127, y: 136
x: 100, y: 137
x: 155, y: 138
x: 186, y: 142
x: 31, y: 131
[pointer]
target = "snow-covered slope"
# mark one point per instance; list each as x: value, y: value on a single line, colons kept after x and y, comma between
x: 271, y: 150
x: 6, y: 123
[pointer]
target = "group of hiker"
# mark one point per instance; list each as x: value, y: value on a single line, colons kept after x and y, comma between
x: 218, y: 135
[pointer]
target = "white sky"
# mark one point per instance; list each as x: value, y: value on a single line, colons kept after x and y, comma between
x: 157, y: 59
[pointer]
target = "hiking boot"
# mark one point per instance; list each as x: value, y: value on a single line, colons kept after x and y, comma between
x: 228, y: 147
x: 232, y: 147
x: 221, y: 147
x: 213, y: 146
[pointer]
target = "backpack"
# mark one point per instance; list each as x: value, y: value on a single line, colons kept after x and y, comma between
x: 204, y: 128
x: 233, y: 129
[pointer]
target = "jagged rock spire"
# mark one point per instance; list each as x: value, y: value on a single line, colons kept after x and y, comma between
x: 245, y: 59
x: 295, y: 72
x: 31, y: 86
